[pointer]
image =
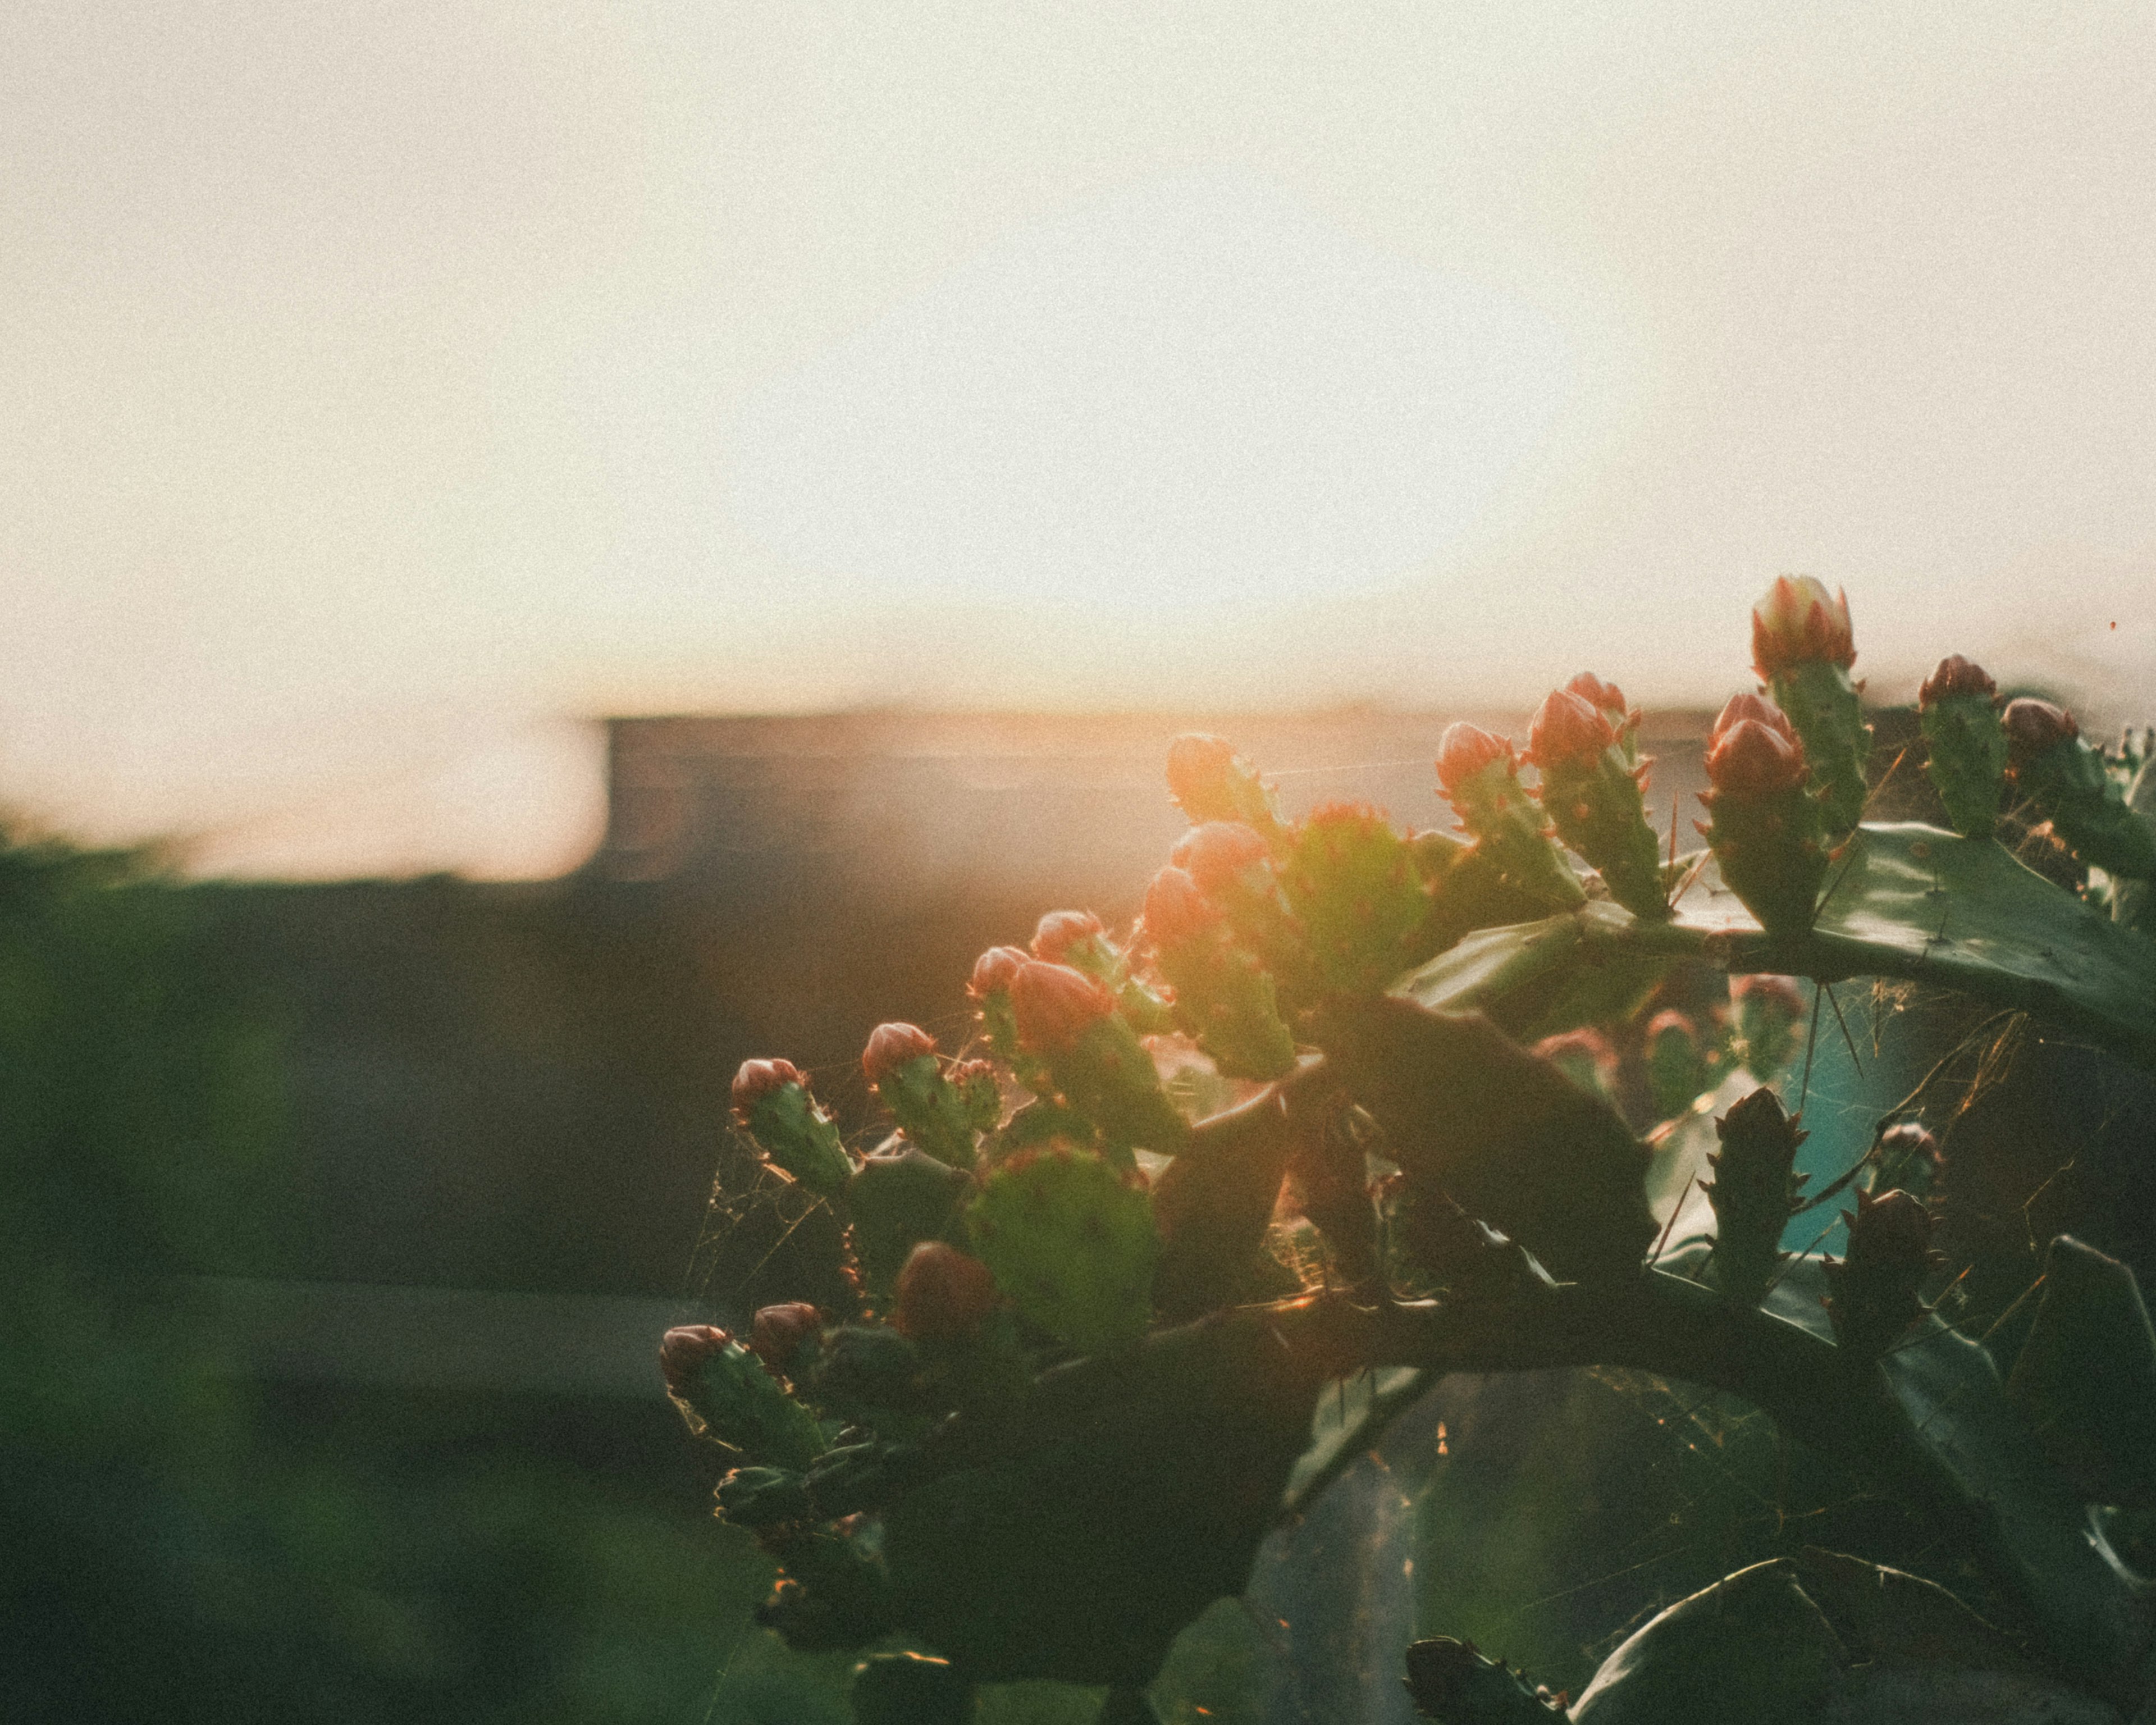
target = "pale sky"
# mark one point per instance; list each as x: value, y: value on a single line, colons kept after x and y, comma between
x: 382, y: 386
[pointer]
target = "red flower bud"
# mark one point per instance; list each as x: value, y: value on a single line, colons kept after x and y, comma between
x: 1750, y: 761
x: 1889, y: 1228
x: 1568, y: 728
x: 1175, y: 909
x: 1216, y: 852
x: 757, y: 1079
x: 1955, y: 675
x: 1796, y: 622
x: 1585, y: 1042
x: 993, y: 971
x: 890, y: 1046
x: 1909, y: 1138
x: 943, y: 1295
x: 1755, y: 707
x: 1779, y: 991
x: 1055, y: 1005
x: 780, y: 1330
x: 1463, y: 751
x: 1603, y: 697
x: 1059, y: 931
x: 683, y: 1352
x: 1670, y: 1021
x: 2036, y: 727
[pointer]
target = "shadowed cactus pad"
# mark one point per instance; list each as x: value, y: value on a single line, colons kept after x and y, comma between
x: 1071, y: 1244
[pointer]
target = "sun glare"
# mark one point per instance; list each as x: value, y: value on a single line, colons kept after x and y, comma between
x: 1195, y: 390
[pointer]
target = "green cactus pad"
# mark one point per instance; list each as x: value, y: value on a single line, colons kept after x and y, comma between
x: 896, y: 1199
x: 801, y: 1139
x: 930, y: 1109
x: 1225, y: 1000
x: 1453, y: 1683
x: 1352, y: 882
x: 1071, y: 1244
x: 2086, y: 806
x: 1599, y: 810
x: 1823, y: 707
x: 1967, y: 764
x: 734, y: 1399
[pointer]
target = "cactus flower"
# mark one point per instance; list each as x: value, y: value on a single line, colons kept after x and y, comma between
x: 891, y: 1047
x: 1566, y: 731
x: 993, y: 971
x: 1094, y: 1059
x: 1801, y: 648
x: 1210, y: 781
x: 1584, y: 1056
x: 1591, y: 792
x: 1909, y: 1157
x: 1224, y: 998
x: 1464, y: 752
x: 1479, y: 773
x: 1797, y: 624
x: 1751, y: 762
x: 943, y: 1295
x: 683, y: 1351
x: 1765, y: 832
x: 1756, y: 707
x: 1605, y: 698
x: 1221, y: 855
x: 902, y: 1068
x: 1059, y: 931
x: 1176, y: 912
x: 1955, y: 678
x: 1055, y: 1005
x: 779, y: 1332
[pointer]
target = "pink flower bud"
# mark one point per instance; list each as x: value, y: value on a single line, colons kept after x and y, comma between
x: 1216, y: 852
x: 1755, y: 707
x: 1055, y: 1005
x: 1175, y: 910
x: 1059, y: 931
x: 1750, y: 761
x: 1796, y: 623
x: 1197, y: 764
x: 890, y: 1046
x: 780, y: 1330
x: 1955, y: 675
x: 993, y: 971
x: 943, y: 1295
x: 1463, y: 751
x: 2036, y: 727
x: 1603, y: 697
x: 757, y: 1079
x: 683, y: 1352
x: 1584, y: 1043
x: 1568, y: 728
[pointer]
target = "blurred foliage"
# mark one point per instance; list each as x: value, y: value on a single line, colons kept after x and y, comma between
x: 182, y: 1545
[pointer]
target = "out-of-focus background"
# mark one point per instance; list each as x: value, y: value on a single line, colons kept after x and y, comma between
x: 546, y: 550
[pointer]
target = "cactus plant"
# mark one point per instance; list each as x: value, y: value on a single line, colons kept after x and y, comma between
x: 1073, y: 1399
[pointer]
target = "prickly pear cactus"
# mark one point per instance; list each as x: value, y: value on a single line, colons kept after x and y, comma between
x: 1072, y: 1243
x: 1070, y: 1362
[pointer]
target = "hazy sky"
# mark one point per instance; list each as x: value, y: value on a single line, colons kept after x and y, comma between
x: 378, y: 381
